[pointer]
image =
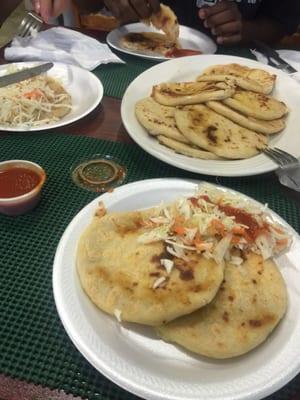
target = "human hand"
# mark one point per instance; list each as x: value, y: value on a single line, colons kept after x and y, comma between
x: 224, y: 20
x: 132, y: 10
x: 50, y: 8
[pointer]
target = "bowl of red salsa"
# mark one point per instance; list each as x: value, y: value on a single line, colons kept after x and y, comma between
x: 20, y: 186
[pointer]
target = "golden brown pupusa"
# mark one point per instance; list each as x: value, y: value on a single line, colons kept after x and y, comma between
x: 119, y: 273
x: 249, y: 304
x: 213, y: 132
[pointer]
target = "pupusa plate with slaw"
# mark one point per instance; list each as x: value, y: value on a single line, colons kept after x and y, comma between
x: 160, y: 265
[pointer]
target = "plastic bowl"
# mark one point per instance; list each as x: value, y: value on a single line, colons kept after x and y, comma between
x: 25, y: 202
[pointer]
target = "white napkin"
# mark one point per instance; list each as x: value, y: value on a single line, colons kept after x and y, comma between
x: 61, y: 45
x: 290, y: 56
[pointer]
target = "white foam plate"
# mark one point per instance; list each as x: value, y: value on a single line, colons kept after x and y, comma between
x: 133, y: 357
x: 188, y: 68
x: 189, y: 38
x: 85, y: 89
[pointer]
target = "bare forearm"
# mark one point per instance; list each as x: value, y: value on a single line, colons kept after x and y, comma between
x: 262, y: 28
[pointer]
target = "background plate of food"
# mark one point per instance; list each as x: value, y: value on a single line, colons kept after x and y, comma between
x: 129, y: 39
x: 257, y: 304
x: 213, y: 114
x: 59, y: 97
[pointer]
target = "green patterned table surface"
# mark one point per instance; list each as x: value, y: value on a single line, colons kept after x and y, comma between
x: 34, y: 345
x: 117, y: 77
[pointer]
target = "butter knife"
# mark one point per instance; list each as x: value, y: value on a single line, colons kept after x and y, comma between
x: 273, y: 57
x: 24, y: 74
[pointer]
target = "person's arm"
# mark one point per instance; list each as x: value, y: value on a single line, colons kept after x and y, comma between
x: 132, y: 10
x: 50, y: 8
x: 274, y: 20
x: 7, y: 7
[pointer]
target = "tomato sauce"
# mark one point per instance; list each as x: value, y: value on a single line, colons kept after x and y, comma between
x: 16, y: 181
x: 242, y: 217
x: 182, y: 53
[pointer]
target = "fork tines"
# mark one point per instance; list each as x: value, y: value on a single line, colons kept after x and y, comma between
x: 30, y: 23
x: 281, y: 157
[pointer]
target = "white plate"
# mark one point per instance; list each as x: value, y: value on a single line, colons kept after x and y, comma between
x: 134, y: 358
x: 85, y: 89
x: 189, y: 39
x: 187, y: 68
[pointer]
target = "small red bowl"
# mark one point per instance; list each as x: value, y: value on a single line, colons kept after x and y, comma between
x: 23, y: 203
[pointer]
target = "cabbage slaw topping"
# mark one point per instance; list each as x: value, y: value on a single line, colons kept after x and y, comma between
x: 25, y: 103
x: 219, y: 225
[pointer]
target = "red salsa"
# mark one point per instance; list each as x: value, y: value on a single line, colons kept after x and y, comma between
x: 16, y: 181
x: 182, y: 52
x: 242, y: 217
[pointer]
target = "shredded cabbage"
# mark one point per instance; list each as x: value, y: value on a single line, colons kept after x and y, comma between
x: 214, y: 223
x: 32, y: 102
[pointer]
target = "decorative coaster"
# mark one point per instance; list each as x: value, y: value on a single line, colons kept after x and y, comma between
x: 98, y: 173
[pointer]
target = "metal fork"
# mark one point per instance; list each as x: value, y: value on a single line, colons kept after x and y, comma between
x: 32, y: 22
x: 289, y: 167
x: 273, y: 57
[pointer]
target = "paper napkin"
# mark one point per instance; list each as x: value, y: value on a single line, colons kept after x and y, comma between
x: 290, y: 56
x: 61, y: 45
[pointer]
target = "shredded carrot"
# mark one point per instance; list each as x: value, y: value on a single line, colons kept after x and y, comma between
x: 218, y: 227
x: 197, y: 239
x: 178, y: 226
x: 238, y: 230
x: 235, y: 240
x: 282, y: 242
x: 33, y: 94
x: 179, y: 229
x: 179, y: 220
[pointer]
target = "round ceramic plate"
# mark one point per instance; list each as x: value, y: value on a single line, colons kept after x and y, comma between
x: 85, y: 89
x: 133, y: 357
x: 188, y: 38
x: 187, y: 68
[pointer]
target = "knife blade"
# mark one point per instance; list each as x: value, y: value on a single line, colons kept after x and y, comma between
x: 24, y: 74
x: 273, y: 57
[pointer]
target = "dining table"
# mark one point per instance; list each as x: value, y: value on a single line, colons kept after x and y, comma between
x: 37, y: 358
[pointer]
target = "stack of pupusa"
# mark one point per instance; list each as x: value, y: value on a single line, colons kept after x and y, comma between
x: 199, y: 270
x: 226, y: 113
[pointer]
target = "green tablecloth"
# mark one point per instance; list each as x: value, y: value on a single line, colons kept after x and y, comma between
x: 34, y: 345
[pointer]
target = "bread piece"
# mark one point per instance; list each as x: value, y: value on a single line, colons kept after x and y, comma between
x: 254, y: 79
x: 165, y: 20
x: 158, y: 119
x: 187, y: 149
x: 250, y: 303
x: 257, y: 125
x: 256, y: 105
x: 149, y: 42
x: 119, y: 273
x: 183, y: 93
x: 217, y: 134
